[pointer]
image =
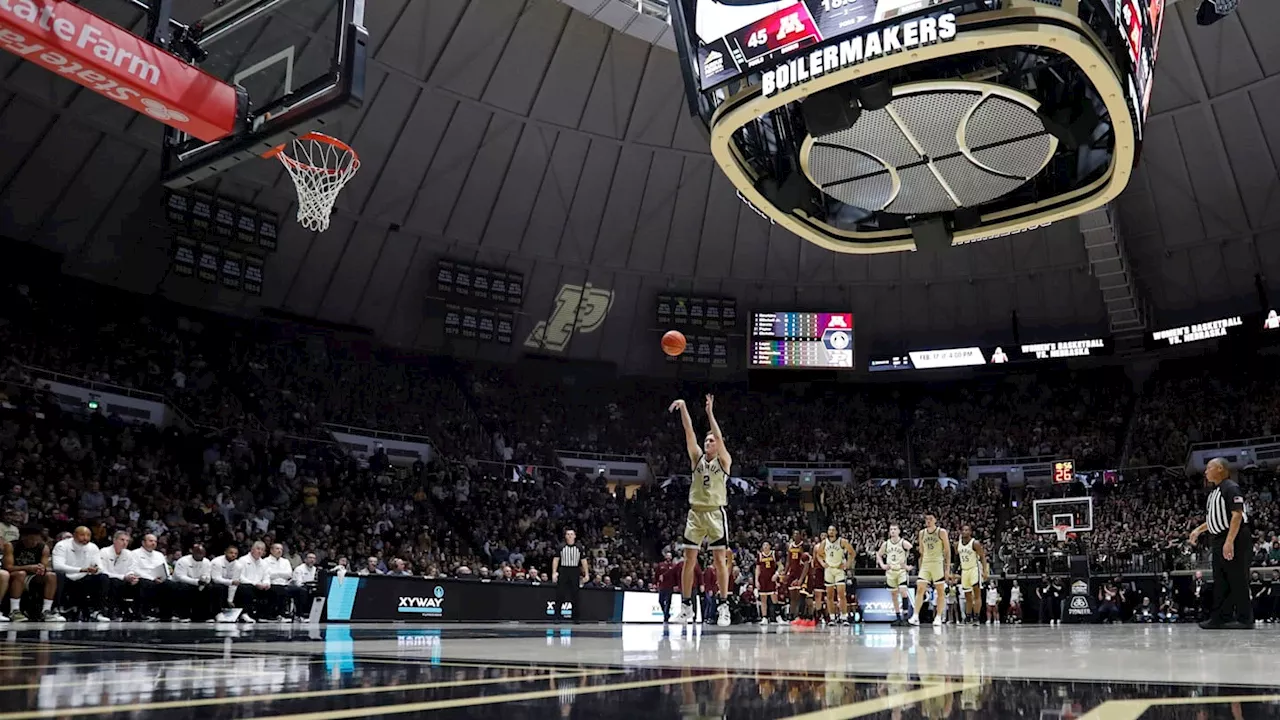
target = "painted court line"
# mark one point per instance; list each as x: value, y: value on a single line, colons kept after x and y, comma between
x: 1133, y: 709
x: 421, y: 707
x: 888, y: 702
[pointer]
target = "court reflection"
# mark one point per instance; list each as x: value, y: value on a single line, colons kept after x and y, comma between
x: 342, y: 671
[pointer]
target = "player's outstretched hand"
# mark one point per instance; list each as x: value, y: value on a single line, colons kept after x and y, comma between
x: 711, y: 401
x: 677, y: 405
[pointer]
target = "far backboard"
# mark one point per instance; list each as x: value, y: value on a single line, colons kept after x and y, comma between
x: 299, y: 61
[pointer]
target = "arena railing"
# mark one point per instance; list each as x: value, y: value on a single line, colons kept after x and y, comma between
x: 601, y: 457
x: 1263, y: 448
x: 1024, y: 460
x: 95, y: 385
x: 379, y: 434
x: 55, y: 376
x: 808, y: 465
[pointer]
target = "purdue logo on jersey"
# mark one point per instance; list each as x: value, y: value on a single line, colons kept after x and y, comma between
x: 580, y: 308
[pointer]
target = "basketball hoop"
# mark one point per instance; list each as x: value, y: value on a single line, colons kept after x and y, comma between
x: 1061, y: 532
x: 320, y: 167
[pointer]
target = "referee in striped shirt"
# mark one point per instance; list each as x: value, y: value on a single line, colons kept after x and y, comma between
x: 568, y: 583
x: 1227, y: 522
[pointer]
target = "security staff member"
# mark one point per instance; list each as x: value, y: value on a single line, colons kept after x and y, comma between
x: 1227, y: 523
x: 568, y: 583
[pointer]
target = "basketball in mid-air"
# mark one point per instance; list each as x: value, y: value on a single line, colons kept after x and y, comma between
x: 673, y: 343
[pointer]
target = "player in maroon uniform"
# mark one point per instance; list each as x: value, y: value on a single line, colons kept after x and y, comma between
x: 793, y: 578
x: 666, y: 582
x: 799, y: 589
x: 677, y: 572
x: 711, y: 590
x: 766, y: 581
x: 816, y: 583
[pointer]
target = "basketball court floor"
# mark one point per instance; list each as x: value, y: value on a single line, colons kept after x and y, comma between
x: 305, y: 672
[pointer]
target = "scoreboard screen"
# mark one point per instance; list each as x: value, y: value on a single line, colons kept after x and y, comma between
x: 736, y: 38
x: 992, y: 355
x: 801, y: 340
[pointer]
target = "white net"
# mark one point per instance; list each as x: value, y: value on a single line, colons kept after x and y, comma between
x: 320, y: 167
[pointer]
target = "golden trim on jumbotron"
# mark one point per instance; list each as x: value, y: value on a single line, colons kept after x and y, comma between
x: 1081, y: 45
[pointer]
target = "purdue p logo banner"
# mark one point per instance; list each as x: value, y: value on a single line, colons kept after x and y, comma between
x: 579, y: 308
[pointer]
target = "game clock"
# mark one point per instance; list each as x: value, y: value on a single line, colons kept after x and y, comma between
x: 1064, y: 471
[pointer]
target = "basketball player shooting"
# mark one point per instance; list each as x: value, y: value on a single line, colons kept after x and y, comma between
x: 892, y: 558
x: 971, y: 574
x: 708, y: 495
x: 935, y: 558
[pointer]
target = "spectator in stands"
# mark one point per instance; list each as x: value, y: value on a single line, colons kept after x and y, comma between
x: 280, y: 573
x: 116, y: 562
x: 372, y: 567
x: 302, y: 586
x: 76, y: 560
x: 1110, y: 602
x: 10, y: 521
x: 194, y: 590
x: 154, y: 591
x: 253, y: 585
x: 225, y: 573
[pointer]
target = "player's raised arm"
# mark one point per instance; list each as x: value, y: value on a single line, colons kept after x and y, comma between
x: 690, y: 439
x: 722, y: 452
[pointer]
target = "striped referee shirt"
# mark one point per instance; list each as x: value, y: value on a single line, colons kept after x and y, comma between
x: 1224, y: 500
x: 570, y: 557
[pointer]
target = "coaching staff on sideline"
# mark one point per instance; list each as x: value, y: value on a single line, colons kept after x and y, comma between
x: 1227, y: 523
x: 568, y: 583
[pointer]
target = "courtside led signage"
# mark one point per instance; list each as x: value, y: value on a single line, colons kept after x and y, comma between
x: 855, y: 50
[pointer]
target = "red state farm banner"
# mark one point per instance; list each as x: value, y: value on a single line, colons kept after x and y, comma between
x: 76, y: 44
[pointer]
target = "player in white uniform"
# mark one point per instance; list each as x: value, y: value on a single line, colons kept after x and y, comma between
x: 834, y: 554
x: 971, y: 572
x: 935, y: 560
x: 707, y: 521
x: 892, y: 558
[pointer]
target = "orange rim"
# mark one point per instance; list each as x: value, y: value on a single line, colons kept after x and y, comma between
x: 278, y: 151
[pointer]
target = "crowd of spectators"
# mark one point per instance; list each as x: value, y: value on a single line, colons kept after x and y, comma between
x: 1201, y: 399
x: 1079, y: 415
x: 257, y: 465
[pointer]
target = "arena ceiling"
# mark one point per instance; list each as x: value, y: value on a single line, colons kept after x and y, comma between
x: 523, y: 134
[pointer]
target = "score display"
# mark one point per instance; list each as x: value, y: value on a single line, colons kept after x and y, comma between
x: 801, y: 340
x: 1064, y: 471
x: 736, y: 38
